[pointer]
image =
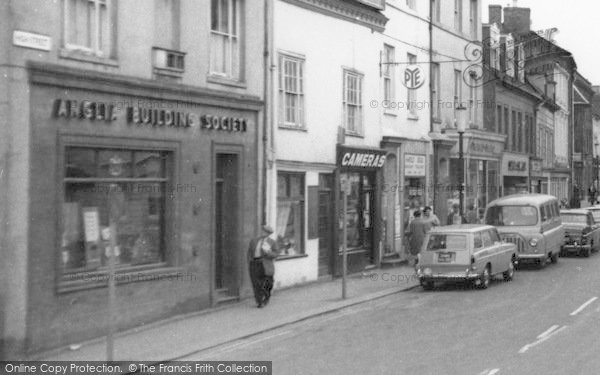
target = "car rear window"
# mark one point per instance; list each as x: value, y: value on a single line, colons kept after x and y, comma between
x: 511, y: 216
x: 596, y: 215
x: 574, y: 218
x: 447, y: 242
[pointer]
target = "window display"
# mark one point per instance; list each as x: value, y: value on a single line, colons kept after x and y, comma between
x: 290, y: 213
x: 134, y: 182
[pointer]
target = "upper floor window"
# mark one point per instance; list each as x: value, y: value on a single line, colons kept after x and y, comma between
x: 457, y: 91
x: 352, y: 101
x: 435, y: 90
x: 389, y: 56
x: 89, y: 26
x: 473, y: 18
x: 225, y: 39
x: 435, y: 10
x: 458, y: 10
x: 411, y: 94
x: 291, y: 91
x: 411, y: 4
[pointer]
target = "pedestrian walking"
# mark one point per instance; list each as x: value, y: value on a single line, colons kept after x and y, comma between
x: 416, y: 232
x: 261, y: 252
x: 471, y: 216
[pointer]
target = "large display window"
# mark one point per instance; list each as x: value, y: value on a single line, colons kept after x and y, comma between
x: 98, y: 181
x: 359, y: 210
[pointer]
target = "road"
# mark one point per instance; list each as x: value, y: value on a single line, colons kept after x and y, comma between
x: 543, y: 322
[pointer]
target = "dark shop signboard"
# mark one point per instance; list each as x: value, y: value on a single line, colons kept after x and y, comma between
x: 352, y: 158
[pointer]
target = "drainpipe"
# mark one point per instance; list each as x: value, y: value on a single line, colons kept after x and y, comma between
x: 267, y: 97
x: 434, y: 180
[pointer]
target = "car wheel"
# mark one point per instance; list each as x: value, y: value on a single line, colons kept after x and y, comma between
x: 542, y: 262
x: 510, y: 272
x: 427, y: 285
x: 554, y: 258
x: 587, y: 252
x: 486, y: 277
x: 562, y: 252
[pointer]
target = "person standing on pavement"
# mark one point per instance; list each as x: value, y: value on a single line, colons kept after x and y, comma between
x: 431, y: 220
x: 417, y: 230
x: 455, y: 218
x: 261, y: 252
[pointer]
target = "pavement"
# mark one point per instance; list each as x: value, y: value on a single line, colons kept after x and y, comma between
x: 194, y: 333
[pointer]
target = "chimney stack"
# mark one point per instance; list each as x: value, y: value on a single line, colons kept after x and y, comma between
x: 495, y: 15
x: 517, y: 20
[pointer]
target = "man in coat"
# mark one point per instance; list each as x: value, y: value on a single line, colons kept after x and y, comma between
x: 417, y: 230
x: 261, y: 252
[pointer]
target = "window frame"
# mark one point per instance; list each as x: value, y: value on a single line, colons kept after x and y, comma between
x: 351, y: 73
x: 458, y: 15
x: 435, y: 93
x: 95, y: 49
x: 300, y: 111
x: 301, y: 199
x: 411, y: 94
x: 232, y: 73
x: 389, y: 73
x: 169, y: 264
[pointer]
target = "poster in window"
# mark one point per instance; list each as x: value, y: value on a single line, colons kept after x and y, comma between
x: 91, y: 231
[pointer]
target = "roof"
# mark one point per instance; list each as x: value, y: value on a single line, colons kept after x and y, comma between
x: 519, y: 198
x: 463, y: 228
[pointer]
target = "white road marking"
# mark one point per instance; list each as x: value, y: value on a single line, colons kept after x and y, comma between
x: 541, y: 338
x: 547, y: 332
x: 489, y: 372
x: 583, y: 306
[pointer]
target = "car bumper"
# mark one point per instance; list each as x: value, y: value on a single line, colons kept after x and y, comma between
x: 576, y: 248
x: 448, y: 276
x: 530, y: 257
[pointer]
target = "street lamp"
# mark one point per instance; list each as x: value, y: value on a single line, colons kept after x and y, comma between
x: 461, y: 121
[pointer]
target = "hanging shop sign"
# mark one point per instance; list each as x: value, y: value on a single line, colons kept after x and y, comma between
x: 360, y: 159
x: 144, y: 116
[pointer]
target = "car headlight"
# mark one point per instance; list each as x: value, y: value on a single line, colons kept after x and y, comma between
x: 533, y: 242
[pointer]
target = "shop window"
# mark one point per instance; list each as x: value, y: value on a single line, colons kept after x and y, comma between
x: 89, y: 26
x: 359, y: 211
x: 290, y: 213
x: 352, y: 102
x: 291, y: 91
x: 225, y: 39
x: 127, y: 186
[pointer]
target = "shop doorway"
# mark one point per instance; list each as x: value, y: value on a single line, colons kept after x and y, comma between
x: 326, y: 200
x: 226, y: 228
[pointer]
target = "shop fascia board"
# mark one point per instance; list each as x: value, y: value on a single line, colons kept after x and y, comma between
x: 114, y: 84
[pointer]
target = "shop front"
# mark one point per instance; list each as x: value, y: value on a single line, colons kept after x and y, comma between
x: 359, y: 177
x: 515, y: 173
x: 536, y: 176
x: 174, y: 172
x: 482, y: 154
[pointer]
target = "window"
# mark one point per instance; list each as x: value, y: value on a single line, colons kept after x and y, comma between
x: 290, y: 213
x: 457, y: 91
x: 473, y: 18
x: 225, y: 43
x: 486, y: 238
x: 473, y: 118
x: 513, y: 143
x: 499, y: 119
x: 435, y: 93
x: 520, y: 132
x: 99, y: 179
x: 458, y: 15
x: 353, y: 101
x: 291, y: 91
x: 88, y: 26
x: 411, y: 4
x: 506, y: 129
x: 494, y: 236
x: 455, y: 242
x: 477, y: 242
x: 389, y: 56
x: 435, y: 10
x: 512, y: 216
x: 411, y: 94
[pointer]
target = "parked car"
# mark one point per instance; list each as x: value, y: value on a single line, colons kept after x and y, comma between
x: 469, y: 252
x: 582, y: 234
x: 530, y: 221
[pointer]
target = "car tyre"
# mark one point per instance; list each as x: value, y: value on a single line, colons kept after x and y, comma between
x: 587, y: 252
x: 510, y: 272
x: 486, y: 278
x: 427, y: 285
x: 554, y: 258
x: 542, y: 262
